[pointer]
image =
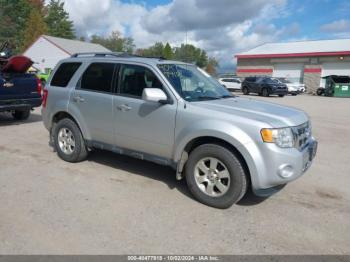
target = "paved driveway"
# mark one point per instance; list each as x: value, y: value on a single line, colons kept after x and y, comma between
x: 112, y: 204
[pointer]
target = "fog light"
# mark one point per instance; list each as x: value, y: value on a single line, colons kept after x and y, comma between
x: 285, y: 171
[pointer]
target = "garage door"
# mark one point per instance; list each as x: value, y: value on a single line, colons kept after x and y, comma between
x: 293, y: 72
x: 340, y: 68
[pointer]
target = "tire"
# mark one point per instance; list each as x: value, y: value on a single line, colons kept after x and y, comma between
x: 294, y: 94
x: 245, y: 90
x: 320, y: 91
x: 21, y: 114
x: 265, y: 92
x: 235, y: 178
x: 64, y: 147
x: 283, y: 95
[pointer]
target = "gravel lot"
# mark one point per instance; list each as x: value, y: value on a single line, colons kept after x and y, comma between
x: 112, y: 204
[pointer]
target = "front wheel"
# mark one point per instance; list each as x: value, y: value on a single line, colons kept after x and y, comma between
x: 215, y: 176
x: 68, y: 141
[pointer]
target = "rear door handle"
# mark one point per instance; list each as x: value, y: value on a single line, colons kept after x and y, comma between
x: 78, y: 99
x: 124, y: 108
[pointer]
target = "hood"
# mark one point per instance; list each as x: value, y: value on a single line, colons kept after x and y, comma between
x: 274, y: 114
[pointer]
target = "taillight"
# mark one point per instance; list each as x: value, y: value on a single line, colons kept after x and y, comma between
x: 39, y: 86
x: 45, y: 95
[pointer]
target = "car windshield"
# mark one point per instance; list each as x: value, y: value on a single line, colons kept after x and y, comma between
x: 192, y: 83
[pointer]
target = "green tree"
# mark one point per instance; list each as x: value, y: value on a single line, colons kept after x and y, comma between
x: 115, y: 42
x: 211, y: 66
x: 14, y: 15
x: 168, y: 52
x: 156, y: 50
x: 34, y: 28
x: 191, y: 54
x: 57, y: 20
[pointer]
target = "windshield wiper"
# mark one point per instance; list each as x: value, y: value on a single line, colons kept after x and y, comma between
x: 227, y: 96
x: 207, y: 98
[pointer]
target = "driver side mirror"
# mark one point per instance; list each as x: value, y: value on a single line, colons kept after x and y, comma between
x: 154, y: 95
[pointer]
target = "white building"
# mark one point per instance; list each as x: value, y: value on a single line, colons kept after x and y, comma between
x: 305, y: 61
x: 46, y: 51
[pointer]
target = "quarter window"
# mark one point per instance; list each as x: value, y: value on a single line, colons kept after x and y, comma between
x: 135, y: 78
x: 64, y: 74
x: 98, y: 77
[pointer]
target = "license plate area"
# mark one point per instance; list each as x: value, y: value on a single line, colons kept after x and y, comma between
x: 309, y: 155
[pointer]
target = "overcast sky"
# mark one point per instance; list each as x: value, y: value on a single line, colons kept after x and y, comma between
x: 221, y: 27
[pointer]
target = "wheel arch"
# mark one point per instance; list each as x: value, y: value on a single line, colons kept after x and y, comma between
x: 64, y: 114
x: 208, y: 139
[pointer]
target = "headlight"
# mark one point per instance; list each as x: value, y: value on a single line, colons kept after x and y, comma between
x: 282, y: 137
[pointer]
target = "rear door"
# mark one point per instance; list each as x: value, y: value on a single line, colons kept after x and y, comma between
x: 92, y: 101
x: 254, y: 84
x: 18, y: 86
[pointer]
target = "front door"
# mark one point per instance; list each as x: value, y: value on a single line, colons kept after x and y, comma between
x: 142, y: 126
x: 92, y: 101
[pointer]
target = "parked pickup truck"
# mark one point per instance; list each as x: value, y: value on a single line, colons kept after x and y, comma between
x: 19, y: 91
x: 175, y: 114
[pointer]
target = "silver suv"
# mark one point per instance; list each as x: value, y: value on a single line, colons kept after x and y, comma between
x: 175, y: 114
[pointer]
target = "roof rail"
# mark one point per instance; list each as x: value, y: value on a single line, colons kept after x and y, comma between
x: 114, y: 54
x: 102, y: 54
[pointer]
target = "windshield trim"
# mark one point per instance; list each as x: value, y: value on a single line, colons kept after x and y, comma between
x: 209, y: 85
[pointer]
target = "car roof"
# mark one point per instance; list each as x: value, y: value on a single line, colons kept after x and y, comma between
x: 120, y: 57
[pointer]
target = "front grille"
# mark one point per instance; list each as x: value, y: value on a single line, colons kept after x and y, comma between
x: 302, y: 133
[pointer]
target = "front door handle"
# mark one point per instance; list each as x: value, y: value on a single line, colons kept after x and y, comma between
x: 124, y: 108
x: 78, y: 99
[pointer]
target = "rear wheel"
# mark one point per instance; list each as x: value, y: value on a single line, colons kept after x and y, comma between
x: 68, y: 141
x: 215, y: 176
x: 283, y: 95
x: 265, y: 92
x: 21, y: 114
x: 245, y: 90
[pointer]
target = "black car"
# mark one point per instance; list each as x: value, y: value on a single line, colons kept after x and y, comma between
x: 264, y: 86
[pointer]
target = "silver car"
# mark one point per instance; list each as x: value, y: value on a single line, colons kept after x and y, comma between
x: 175, y: 114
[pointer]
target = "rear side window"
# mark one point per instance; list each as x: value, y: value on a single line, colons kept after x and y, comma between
x: 64, y: 74
x: 98, y: 77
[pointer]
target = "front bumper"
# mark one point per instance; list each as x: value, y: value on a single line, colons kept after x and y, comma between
x: 279, y: 92
x: 282, y: 165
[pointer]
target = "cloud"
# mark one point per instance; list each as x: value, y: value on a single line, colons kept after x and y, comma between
x: 339, y: 26
x: 222, y: 27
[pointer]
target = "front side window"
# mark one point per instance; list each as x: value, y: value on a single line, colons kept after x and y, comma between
x: 98, y: 77
x: 135, y: 78
x: 192, y: 83
x: 64, y: 74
